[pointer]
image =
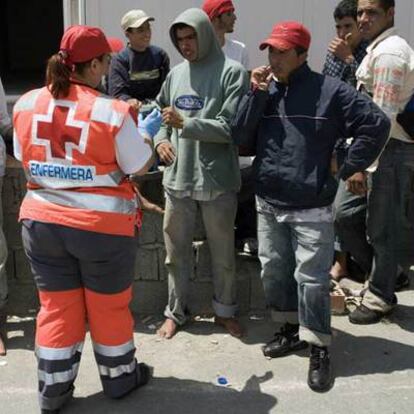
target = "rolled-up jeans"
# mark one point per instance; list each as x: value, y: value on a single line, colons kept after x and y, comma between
x: 3, y: 256
x: 296, y: 258
x: 179, y: 223
x: 390, y: 210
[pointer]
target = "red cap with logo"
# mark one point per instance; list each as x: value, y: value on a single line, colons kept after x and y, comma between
x: 287, y: 35
x: 214, y: 8
x: 82, y: 44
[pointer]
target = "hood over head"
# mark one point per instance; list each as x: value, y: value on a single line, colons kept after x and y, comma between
x: 208, y: 44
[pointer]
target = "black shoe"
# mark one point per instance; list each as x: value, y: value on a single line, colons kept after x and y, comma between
x: 44, y: 411
x: 402, y: 282
x: 144, y: 374
x: 319, y: 374
x: 284, y: 342
x: 365, y: 316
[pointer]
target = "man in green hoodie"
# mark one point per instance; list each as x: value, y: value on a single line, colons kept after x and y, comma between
x: 199, y: 98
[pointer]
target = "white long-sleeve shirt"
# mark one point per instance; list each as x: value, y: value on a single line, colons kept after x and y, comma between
x: 387, y: 74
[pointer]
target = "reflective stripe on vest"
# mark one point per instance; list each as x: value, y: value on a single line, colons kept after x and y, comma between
x: 85, y: 201
x: 55, y: 175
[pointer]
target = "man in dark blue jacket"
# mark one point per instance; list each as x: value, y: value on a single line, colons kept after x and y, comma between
x: 291, y: 119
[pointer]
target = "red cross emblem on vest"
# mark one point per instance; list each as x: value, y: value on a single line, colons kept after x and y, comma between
x: 59, y: 131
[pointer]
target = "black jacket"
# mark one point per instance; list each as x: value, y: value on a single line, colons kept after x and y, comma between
x: 293, y: 129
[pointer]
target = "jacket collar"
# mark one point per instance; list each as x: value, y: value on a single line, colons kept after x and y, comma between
x: 392, y: 31
x: 299, y: 73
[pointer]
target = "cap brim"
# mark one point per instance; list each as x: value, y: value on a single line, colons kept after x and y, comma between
x: 140, y: 22
x: 280, y: 44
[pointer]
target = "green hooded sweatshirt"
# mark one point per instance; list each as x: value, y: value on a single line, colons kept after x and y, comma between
x: 205, y: 93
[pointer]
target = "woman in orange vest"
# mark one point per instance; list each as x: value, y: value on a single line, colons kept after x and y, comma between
x: 78, y: 148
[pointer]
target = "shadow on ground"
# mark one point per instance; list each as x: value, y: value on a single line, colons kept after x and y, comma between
x: 181, y: 396
x: 365, y: 355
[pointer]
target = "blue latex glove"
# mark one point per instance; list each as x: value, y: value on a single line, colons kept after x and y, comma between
x: 151, y: 124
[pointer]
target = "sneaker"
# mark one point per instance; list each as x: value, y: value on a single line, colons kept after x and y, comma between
x: 319, y: 374
x: 402, y: 282
x: 364, y: 316
x: 284, y: 342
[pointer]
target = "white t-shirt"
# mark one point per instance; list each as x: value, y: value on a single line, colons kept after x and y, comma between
x: 132, y: 152
x: 237, y: 51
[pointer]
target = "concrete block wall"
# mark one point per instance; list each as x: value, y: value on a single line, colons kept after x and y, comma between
x: 150, y: 278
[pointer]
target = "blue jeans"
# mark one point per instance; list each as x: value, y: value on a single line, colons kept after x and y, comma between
x: 390, y: 209
x: 296, y: 258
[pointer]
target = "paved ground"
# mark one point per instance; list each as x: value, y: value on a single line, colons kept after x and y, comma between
x: 374, y: 370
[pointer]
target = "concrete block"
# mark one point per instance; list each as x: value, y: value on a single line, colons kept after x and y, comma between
x: 23, y: 299
x: 10, y: 265
x: 338, y: 306
x: 14, y: 189
x: 23, y: 274
x: 151, y: 231
x: 162, y: 269
x: 12, y: 231
x: 149, y: 296
x: 202, y: 258
x: 146, y: 265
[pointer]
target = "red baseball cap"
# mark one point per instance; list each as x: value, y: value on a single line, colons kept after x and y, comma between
x: 116, y: 44
x: 214, y: 8
x: 287, y: 35
x: 83, y: 43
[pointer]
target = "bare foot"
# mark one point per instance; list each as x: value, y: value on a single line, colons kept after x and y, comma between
x: 339, y: 268
x: 168, y: 329
x: 231, y: 325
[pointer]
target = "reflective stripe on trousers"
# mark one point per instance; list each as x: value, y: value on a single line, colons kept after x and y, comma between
x: 57, y: 370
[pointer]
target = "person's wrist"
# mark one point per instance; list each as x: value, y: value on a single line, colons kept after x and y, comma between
x: 349, y: 60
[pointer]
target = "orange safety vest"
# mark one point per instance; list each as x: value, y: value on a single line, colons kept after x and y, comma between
x: 68, y: 154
